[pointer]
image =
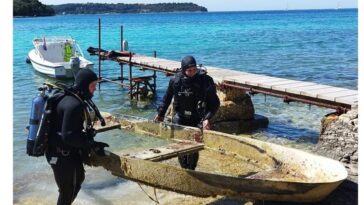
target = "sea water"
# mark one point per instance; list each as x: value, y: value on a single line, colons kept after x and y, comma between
x: 315, y: 46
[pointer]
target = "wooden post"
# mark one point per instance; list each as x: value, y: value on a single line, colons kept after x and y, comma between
x: 121, y: 49
x: 130, y: 77
x: 99, y: 53
x: 154, y: 76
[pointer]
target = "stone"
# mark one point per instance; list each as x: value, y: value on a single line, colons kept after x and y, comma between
x: 339, y: 140
x: 241, y: 126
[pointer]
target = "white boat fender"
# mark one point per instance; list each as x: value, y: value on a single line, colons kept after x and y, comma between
x: 125, y: 45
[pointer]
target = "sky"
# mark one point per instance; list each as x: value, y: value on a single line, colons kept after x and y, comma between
x: 236, y: 5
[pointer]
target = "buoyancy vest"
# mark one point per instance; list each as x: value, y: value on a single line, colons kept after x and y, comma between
x: 190, y: 95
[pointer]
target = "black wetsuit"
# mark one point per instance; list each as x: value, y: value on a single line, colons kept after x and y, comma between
x: 195, y: 100
x: 65, y: 147
x: 69, y: 142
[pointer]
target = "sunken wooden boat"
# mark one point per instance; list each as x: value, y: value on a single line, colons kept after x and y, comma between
x: 229, y: 165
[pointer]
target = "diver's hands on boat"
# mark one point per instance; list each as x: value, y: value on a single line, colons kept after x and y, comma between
x: 206, y: 124
x: 99, y: 148
x: 91, y: 132
x: 158, y: 118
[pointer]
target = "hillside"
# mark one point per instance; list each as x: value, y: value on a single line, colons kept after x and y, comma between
x: 100, y: 8
x: 31, y: 8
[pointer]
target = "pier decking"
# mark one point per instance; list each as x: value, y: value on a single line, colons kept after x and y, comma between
x: 289, y: 90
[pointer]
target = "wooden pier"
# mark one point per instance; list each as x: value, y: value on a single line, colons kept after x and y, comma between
x: 290, y: 90
x: 327, y: 96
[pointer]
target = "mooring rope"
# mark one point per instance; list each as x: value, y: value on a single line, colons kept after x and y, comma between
x: 151, y: 198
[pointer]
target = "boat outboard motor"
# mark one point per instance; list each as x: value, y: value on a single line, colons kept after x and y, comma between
x: 35, y: 118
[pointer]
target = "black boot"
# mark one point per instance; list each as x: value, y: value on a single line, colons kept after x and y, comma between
x: 188, y: 161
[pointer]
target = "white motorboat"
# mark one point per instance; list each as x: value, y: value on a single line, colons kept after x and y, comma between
x: 58, y: 57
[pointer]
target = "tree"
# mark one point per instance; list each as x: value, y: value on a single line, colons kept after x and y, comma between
x: 31, y: 8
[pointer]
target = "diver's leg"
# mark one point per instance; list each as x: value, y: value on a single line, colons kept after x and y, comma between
x: 66, y: 176
x: 188, y: 161
x: 80, y: 177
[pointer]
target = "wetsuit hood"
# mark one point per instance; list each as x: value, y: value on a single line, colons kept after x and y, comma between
x: 187, y: 62
x: 197, y: 77
x: 82, y: 81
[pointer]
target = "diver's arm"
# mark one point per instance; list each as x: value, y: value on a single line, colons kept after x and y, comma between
x: 212, y: 100
x: 72, y: 128
x: 162, y: 109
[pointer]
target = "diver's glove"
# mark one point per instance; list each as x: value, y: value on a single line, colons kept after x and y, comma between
x: 99, y: 148
x: 90, y: 132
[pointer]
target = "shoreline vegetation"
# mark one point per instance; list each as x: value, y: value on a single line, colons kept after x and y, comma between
x: 31, y: 8
x: 26, y: 8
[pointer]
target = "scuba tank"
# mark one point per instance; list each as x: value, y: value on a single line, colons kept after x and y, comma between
x: 35, y: 118
x: 42, y: 116
x: 40, y: 123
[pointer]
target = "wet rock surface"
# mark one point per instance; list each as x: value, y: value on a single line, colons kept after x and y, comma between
x: 339, y: 141
x: 236, y: 113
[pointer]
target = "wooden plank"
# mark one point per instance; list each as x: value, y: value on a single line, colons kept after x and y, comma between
x: 240, y: 78
x: 299, y: 90
x: 270, y: 85
x: 110, y: 125
x: 284, y: 84
x: 270, y: 80
x: 224, y: 71
x: 351, y: 100
x: 168, y: 152
x: 256, y: 81
x: 227, y: 73
x: 332, y: 95
x: 316, y: 92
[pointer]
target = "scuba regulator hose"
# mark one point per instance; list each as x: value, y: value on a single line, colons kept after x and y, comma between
x: 97, y: 112
x: 89, y: 102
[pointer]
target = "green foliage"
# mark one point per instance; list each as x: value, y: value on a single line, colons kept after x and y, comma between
x: 31, y: 8
x: 97, y: 8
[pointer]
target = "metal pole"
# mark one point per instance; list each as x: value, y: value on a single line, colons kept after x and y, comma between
x: 99, y: 53
x: 154, y: 75
x: 121, y: 38
x: 121, y: 49
x: 130, y: 77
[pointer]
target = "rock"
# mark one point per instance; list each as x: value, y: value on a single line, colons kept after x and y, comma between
x: 234, y: 105
x: 241, y: 126
x: 339, y: 140
x: 326, y: 121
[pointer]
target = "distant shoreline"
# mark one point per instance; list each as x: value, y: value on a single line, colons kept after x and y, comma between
x: 175, y: 12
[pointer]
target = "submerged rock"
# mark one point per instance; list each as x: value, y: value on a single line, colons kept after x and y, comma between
x: 236, y: 113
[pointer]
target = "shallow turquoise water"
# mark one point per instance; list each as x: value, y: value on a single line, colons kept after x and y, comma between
x: 314, y: 46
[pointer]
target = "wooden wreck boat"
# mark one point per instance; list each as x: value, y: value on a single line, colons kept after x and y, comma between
x: 232, y: 166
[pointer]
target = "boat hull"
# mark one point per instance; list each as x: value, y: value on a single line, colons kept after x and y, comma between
x: 55, y: 70
x: 277, y: 173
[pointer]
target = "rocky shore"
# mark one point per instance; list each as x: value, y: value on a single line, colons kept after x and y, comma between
x: 339, y: 140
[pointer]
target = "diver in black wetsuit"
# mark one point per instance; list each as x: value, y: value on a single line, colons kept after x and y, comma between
x: 195, y: 102
x: 69, y: 141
